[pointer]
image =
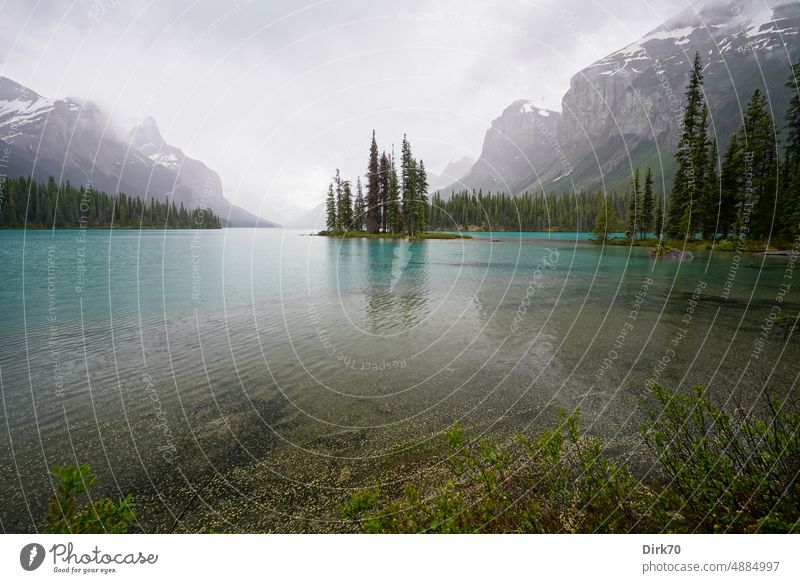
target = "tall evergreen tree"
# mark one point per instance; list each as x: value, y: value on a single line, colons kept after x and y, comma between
x: 373, y: 189
x: 359, y: 207
x: 384, y: 170
x: 761, y: 159
x: 421, y: 199
x: 394, y: 213
x: 710, y: 198
x: 792, y: 147
x: 731, y: 177
x: 330, y: 206
x: 705, y: 196
x: 690, y: 157
x: 646, y: 221
x: 346, y: 207
x: 601, y: 223
x: 790, y: 185
x: 338, y: 184
x: 634, y: 206
x: 408, y: 171
x: 658, y: 221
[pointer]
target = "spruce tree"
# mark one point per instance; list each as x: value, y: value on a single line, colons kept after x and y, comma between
x: 435, y: 218
x: 646, y: 221
x: 705, y: 195
x: 790, y: 187
x: 338, y: 183
x: 731, y: 178
x: 601, y: 223
x: 792, y: 147
x: 634, y: 207
x: 421, y: 199
x: 761, y: 157
x: 688, y: 181
x: 346, y: 207
x: 393, y: 212
x: 658, y: 223
x: 373, y: 189
x: 384, y: 169
x: 359, y: 207
x: 709, y: 209
x: 330, y: 205
x: 408, y: 172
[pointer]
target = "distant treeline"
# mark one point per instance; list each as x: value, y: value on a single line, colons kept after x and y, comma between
x: 527, y: 212
x: 27, y: 203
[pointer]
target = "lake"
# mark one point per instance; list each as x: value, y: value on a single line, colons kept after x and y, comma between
x: 250, y: 379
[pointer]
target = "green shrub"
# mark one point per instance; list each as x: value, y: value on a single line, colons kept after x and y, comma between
x: 66, y: 515
x: 714, y: 472
x: 559, y: 482
x: 726, y: 472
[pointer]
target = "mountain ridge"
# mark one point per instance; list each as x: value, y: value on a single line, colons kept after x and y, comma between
x: 75, y: 142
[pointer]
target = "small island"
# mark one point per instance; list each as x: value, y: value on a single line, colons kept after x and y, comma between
x: 418, y: 237
x: 395, y: 207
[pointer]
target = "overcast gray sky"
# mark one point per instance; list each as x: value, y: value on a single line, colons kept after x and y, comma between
x: 275, y: 95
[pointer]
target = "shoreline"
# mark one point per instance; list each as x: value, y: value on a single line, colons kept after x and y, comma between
x: 748, y: 246
x: 392, y: 236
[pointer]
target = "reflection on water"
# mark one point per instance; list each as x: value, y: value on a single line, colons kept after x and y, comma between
x: 294, y: 367
x: 395, y: 284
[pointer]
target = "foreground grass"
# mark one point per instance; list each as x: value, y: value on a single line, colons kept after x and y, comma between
x: 418, y: 237
x: 712, y: 472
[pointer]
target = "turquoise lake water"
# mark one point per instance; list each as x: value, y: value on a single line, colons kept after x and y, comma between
x: 169, y: 360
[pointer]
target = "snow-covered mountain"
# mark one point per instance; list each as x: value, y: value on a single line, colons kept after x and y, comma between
x: 75, y: 141
x: 625, y: 109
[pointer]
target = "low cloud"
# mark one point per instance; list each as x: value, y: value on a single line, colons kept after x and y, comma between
x: 277, y: 95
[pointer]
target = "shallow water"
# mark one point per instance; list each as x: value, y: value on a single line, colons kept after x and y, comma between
x: 167, y: 359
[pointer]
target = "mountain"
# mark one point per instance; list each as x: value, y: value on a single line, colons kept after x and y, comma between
x: 625, y: 110
x: 196, y: 183
x: 454, y: 171
x: 518, y: 141
x: 75, y: 141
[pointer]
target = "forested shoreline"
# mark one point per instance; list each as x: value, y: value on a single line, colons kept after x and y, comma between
x: 527, y: 212
x: 750, y: 191
x: 25, y: 203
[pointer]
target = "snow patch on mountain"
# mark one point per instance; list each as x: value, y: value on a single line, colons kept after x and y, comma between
x: 166, y: 159
x: 529, y: 107
x: 18, y: 111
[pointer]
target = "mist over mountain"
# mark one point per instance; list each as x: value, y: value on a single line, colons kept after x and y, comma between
x: 312, y: 219
x: 625, y: 110
x: 74, y: 141
x: 455, y: 170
